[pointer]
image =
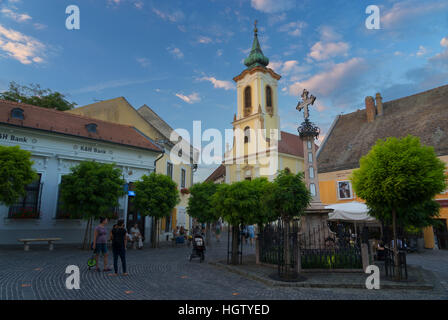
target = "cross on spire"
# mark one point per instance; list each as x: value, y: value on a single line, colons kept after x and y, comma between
x: 305, y: 103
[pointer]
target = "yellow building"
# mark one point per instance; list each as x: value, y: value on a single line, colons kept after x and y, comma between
x: 259, y: 148
x: 145, y: 120
x: 352, y: 135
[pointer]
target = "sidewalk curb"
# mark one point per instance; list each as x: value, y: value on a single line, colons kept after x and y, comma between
x: 274, y: 283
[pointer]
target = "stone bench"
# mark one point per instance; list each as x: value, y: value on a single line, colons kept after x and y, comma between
x: 50, y: 241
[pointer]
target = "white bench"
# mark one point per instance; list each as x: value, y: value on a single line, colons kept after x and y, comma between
x: 50, y: 241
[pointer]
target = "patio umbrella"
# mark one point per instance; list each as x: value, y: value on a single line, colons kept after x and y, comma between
x: 350, y: 211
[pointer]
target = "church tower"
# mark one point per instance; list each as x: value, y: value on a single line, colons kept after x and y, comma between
x: 257, y: 108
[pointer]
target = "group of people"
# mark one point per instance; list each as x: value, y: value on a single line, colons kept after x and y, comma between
x: 248, y: 233
x: 119, y: 238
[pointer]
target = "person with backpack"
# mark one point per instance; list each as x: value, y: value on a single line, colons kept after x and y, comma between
x: 119, y: 241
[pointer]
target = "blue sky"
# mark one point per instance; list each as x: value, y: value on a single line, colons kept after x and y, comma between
x: 179, y: 57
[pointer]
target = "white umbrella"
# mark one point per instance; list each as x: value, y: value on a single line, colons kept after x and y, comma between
x: 350, y: 211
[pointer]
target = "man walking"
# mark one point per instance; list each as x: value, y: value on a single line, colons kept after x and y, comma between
x: 119, y: 242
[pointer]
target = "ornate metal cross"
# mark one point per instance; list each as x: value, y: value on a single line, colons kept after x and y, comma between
x: 305, y: 103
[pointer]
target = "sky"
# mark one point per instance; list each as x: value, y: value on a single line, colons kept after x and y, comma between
x: 179, y: 57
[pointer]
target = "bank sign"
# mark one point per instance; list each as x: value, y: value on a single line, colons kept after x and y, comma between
x: 13, y: 138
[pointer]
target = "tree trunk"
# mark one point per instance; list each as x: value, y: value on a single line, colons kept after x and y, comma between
x: 85, y: 245
x: 235, y: 244
x: 397, y: 268
x: 155, y: 232
x: 208, y: 235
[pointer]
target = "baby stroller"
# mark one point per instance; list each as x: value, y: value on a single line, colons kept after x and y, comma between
x: 198, y: 248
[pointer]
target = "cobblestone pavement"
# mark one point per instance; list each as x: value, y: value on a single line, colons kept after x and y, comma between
x: 167, y: 274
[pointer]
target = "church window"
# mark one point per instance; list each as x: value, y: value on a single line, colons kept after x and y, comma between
x: 246, y: 135
x: 268, y: 96
x: 247, y: 100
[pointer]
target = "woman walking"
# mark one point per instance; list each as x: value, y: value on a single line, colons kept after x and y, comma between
x: 119, y: 242
x: 100, y: 243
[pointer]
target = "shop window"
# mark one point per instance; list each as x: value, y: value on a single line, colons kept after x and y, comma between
x: 169, y: 170
x: 28, y: 206
x: 183, y: 178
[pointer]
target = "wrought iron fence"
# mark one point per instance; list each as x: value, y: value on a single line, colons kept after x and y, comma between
x: 389, y: 263
x: 321, y: 248
x: 272, y: 240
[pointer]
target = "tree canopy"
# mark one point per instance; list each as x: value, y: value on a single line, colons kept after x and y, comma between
x: 288, y: 196
x: 200, y: 202
x: 91, y: 189
x: 16, y: 173
x: 243, y: 202
x: 401, y: 175
x: 35, y: 95
x: 156, y: 195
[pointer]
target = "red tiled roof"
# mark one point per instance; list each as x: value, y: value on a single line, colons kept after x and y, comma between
x: 290, y: 144
x: 424, y: 115
x: 75, y: 125
x: 218, y: 173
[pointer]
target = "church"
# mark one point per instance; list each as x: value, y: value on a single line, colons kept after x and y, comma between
x: 259, y: 148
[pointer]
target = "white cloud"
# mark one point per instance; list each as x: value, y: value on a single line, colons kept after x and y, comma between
x: 222, y: 84
x: 21, y: 47
x: 271, y: 6
x: 328, y: 34
x: 18, y: 17
x: 169, y: 16
x: 323, y: 51
x: 144, y: 62
x: 330, y: 80
x: 203, y: 39
x: 421, y: 51
x: 39, y: 26
x: 293, y: 28
x: 286, y: 67
x: 407, y: 10
x: 219, y: 52
x: 444, y: 42
x: 191, y: 98
x: 138, y: 4
x: 176, y: 52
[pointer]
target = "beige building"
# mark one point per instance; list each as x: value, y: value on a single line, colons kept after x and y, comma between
x: 175, y: 162
x: 352, y: 135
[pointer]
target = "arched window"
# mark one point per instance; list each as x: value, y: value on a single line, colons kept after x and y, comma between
x: 17, y: 113
x: 247, y: 100
x: 246, y: 135
x: 268, y: 96
x: 91, y: 127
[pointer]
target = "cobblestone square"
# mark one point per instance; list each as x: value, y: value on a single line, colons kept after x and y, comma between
x: 166, y: 273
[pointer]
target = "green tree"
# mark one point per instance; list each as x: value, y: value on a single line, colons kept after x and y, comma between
x: 91, y: 190
x: 200, y: 204
x: 288, y: 198
x: 16, y: 173
x: 156, y: 195
x: 242, y: 203
x: 398, y: 179
x: 35, y: 95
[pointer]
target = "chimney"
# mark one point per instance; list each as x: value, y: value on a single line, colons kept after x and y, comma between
x: 370, y: 109
x: 379, y: 104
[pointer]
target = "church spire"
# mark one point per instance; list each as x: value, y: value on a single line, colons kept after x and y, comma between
x: 256, y: 57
